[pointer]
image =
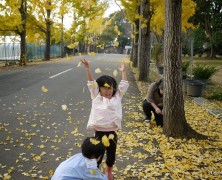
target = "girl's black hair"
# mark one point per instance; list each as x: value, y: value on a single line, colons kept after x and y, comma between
x: 92, y: 150
x: 109, y: 80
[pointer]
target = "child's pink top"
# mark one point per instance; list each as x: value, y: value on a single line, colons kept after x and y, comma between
x: 106, y: 114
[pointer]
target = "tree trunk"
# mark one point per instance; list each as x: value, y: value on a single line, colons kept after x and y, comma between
x: 212, y: 51
x: 22, y: 34
x: 209, y: 32
x: 145, y: 43
x: 48, y: 34
x: 175, y: 123
x: 136, y: 42
x: 132, y: 45
x: 61, y: 41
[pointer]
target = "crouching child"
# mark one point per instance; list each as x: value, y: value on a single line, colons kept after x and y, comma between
x: 83, y: 165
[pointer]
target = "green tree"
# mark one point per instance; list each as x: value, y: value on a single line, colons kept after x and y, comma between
x: 208, y: 17
x: 108, y: 35
x: 199, y: 40
x: 124, y: 29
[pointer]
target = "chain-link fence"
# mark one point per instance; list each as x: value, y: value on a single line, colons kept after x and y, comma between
x: 11, y: 51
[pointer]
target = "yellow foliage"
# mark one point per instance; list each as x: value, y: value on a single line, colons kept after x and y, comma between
x: 116, y: 30
x: 143, y: 25
x: 157, y: 21
x: 116, y: 43
x: 96, y: 25
x: 92, y: 53
x: 71, y: 46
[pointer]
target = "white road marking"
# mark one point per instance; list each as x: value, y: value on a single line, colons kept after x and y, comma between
x: 61, y: 73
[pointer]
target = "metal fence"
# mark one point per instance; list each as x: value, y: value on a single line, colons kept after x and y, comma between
x: 11, y: 51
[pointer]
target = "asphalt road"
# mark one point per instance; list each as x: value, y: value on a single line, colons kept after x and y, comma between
x: 36, y: 133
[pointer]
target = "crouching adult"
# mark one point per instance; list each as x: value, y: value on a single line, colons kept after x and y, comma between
x: 154, y: 103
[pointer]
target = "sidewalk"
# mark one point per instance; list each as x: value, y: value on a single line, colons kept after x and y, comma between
x: 4, y: 67
x: 209, y: 106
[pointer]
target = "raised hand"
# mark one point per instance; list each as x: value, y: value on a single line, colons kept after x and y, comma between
x: 85, y: 62
x: 122, y: 68
x: 87, y: 68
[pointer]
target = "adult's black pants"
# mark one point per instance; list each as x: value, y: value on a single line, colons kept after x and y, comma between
x: 148, y: 109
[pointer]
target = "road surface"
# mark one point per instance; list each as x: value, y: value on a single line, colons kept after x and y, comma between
x: 37, y: 131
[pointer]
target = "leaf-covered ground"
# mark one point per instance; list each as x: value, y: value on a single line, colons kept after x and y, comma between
x: 143, y: 150
x: 148, y: 154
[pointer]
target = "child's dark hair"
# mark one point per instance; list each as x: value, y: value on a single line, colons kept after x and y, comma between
x: 92, y: 148
x: 109, y: 80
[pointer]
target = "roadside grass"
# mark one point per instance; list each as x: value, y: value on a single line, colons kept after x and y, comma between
x: 205, y: 60
x: 213, y: 90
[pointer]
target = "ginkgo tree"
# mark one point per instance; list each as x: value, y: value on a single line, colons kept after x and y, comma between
x: 132, y: 13
x: 43, y: 18
x: 108, y: 35
x: 157, y: 26
x: 122, y: 29
x: 63, y: 10
x: 46, y: 22
x: 175, y: 123
x: 156, y: 21
x: 95, y: 29
x: 37, y: 25
x: 13, y: 21
x: 175, y: 20
x: 140, y: 11
x: 84, y: 13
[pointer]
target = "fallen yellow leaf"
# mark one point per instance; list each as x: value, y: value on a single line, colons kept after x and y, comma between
x: 44, y: 89
x: 98, y: 71
x: 105, y: 141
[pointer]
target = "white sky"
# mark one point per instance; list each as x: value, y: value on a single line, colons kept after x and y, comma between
x: 112, y: 8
